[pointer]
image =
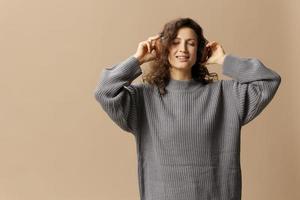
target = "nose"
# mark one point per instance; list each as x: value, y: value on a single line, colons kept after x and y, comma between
x: 183, y: 47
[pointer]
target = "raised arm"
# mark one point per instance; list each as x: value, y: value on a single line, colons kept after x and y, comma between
x: 253, y: 85
x: 117, y: 96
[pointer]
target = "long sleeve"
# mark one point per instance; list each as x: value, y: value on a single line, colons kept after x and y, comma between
x: 253, y: 85
x: 117, y: 96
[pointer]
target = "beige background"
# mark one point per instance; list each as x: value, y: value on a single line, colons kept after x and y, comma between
x: 55, y: 140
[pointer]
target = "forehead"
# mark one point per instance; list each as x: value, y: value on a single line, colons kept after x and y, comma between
x: 186, y: 34
x: 187, y: 39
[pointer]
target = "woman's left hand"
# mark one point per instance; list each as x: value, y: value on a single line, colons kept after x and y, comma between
x: 217, y: 53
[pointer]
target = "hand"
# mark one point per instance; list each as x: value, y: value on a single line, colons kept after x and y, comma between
x: 149, y: 49
x: 217, y: 53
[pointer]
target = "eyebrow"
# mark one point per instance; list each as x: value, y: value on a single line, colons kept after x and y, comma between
x: 187, y: 39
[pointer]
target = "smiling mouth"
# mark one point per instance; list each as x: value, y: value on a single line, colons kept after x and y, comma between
x: 182, y: 58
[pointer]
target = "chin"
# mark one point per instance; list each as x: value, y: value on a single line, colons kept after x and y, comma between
x: 182, y: 65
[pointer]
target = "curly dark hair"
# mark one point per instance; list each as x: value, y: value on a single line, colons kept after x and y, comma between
x: 159, y: 74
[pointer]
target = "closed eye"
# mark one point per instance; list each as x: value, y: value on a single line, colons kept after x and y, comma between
x: 189, y: 43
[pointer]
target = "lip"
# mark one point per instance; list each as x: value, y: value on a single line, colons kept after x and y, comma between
x: 182, y: 59
x: 182, y: 56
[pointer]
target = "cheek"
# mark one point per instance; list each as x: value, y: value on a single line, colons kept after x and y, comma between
x: 170, y: 58
x: 194, y: 52
x: 171, y: 54
x: 172, y: 51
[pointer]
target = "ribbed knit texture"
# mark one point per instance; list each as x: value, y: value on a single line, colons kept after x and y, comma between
x: 188, y: 141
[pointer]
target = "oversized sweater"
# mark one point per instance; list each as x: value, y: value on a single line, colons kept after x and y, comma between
x: 188, y: 141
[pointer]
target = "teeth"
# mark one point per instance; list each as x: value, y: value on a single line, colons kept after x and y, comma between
x: 182, y: 57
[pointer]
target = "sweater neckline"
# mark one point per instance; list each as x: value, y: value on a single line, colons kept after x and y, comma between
x: 183, y: 85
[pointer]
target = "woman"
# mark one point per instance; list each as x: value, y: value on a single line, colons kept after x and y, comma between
x: 186, y: 123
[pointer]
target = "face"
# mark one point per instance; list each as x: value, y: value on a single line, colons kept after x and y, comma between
x: 183, y: 50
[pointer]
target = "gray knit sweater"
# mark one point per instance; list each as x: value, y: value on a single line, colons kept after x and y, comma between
x: 188, y: 141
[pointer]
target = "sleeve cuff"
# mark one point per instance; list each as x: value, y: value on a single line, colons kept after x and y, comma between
x: 230, y: 66
x: 129, y: 68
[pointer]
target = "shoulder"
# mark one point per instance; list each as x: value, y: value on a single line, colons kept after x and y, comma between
x: 141, y: 88
x: 223, y: 85
x: 220, y: 83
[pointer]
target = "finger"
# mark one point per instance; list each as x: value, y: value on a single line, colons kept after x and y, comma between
x: 150, y: 41
x: 211, y: 43
x: 154, y: 37
x: 154, y: 44
x: 214, y: 43
x: 148, y: 46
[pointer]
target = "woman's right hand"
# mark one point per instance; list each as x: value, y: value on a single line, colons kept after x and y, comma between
x: 148, y: 50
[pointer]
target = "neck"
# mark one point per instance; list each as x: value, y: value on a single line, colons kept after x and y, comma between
x: 177, y: 74
x: 183, y: 85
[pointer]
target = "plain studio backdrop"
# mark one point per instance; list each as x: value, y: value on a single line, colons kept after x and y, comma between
x: 56, y: 142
